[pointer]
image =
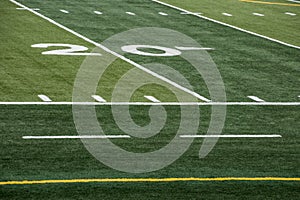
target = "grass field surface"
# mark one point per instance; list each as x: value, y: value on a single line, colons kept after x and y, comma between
x: 249, y: 66
x: 280, y: 18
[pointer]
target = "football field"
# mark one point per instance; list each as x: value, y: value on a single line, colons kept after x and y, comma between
x: 141, y: 99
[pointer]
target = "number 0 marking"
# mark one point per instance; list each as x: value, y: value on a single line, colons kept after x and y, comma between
x: 137, y: 49
x: 73, y: 50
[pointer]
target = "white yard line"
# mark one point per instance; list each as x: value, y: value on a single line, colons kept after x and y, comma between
x: 258, y: 14
x: 230, y: 136
x: 295, y: 1
x: 64, y: 11
x: 228, y: 25
x: 29, y: 8
x: 130, y: 13
x: 116, y: 54
x: 188, y: 13
x: 152, y: 98
x: 255, y: 98
x: 98, y: 98
x: 44, y: 98
x: 194, y: 48
x: 161, y: 103
x: 98, y: 12
x: 163, y: 14
x: 289, y: 13
x: 76, y: 137
x: 227, y: 14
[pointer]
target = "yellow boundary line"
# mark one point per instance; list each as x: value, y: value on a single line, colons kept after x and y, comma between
x: 270, y: 3
x: 132, y: 180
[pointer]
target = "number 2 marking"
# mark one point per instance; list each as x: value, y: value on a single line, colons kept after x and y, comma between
x: 72, y: 50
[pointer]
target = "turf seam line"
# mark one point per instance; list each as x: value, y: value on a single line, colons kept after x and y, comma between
x: 228, y: 25
x: 153, y: 180
x: 202, y: 98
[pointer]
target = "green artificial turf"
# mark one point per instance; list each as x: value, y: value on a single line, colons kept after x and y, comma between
x: 68, y: 159
x: 249, y: 65
x: 275, y: 23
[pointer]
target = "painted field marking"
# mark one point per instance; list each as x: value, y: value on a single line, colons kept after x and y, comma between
x: 98, y: 12
x: 163, y: 14
x: 194, y: 48
x: 228, y: 25
x: 29, y: 8
x: 158, y: 104
x: 98, y: 98
x: 152, y: 98
x: 255, y: 98
x: 150, y: 180
x: 269, y: 3
x: 227, y: 14
x: 188, y: 13
x: 71, y: 49
x: 76, y: 137
x: 295, y: 1
x: 176, y: 85
x: 130, y: 13
x: 230, y: 136
x: 64, y: 11
x: 44, y: 98
x: 258, y: 14
x: 289, y: 13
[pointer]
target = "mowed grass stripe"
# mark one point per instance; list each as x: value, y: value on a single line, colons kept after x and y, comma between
x: 128, y: 180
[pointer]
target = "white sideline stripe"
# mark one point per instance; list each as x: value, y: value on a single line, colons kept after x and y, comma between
x: 258, y: 14
x: 295, y: 1
x: 228, y: 25
x: 193, y: 48
x: 98, y: 12
x: 152, y: 98
x: 289, y: 13
x: 254, y: 98
x: 130, y: 13
x: 161, y: 103
x: 227, y: 14
x: 116, y: 54
x: 44, y: 98
x: 163, y: 14
x: 29, y: 8
x: 64, y: 11
x: 76, y: 137
x: 98, y: 98
x: 230, y: 136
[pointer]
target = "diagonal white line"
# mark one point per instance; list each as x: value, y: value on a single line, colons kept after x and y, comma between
x: 152, y: 98
x: 228, y: 25
x: 44, y: 98
x: 98, y: 98
x: 255, y: 98
x: 116, y: 54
